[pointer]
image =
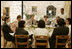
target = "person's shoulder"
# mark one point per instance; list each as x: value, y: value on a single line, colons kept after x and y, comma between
x: 25, y: 30
x: 5, y: 24
x: 70, y: 26
x: 66, y: 27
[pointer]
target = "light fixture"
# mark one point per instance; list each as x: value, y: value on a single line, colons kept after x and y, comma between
x: 50, y: 11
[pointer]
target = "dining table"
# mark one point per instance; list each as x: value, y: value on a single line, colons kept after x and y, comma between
x: 31, y: 28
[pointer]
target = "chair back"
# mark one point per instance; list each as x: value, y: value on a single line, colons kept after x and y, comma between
x: 22, y: 43
x: 61, y: 37
x: 41, y: 43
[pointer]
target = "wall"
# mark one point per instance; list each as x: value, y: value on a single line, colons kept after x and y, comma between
x: 15, y: 8
x: 67, y: 8
x: 42, y: 6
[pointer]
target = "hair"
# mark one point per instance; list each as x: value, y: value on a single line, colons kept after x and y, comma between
x: 41, y: 24
x: 19, y: 16
x: 58, y: 16
x: 61, y: 22
x: 3, y: 18
x: 45, y: 16
x: 62, y: 9
x: 21, y: 24
x: 69, y: 20
x: 6, y: 18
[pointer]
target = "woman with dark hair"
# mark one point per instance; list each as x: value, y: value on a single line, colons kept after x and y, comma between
x: 68, y: 24
x: 41, y: 24
x: 61, y: 30
x: 47, y: 22
x: 21, y: 31
x: 41, y: 30
x: 6, y: 30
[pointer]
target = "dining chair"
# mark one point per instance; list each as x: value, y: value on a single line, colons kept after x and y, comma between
x: 43, y: 41
x: 22, y: 43
x: 59, y: 37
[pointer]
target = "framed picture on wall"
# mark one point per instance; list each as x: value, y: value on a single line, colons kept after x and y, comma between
x: 6, y: 11
x: 34, y: 8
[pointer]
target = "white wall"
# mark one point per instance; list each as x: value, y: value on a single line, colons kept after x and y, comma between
x: 42, y: 5
x: 15, y: 8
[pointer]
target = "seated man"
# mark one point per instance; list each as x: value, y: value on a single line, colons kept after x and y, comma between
x: 57, y: 18
x: 61, y: 30
x: 18, y: 19
x: 32, y: 21
x: 14, y: 25
x: 47, y: 22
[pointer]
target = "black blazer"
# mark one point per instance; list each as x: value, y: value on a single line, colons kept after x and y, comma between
x: 21, y: 31
x: 61, y: 30
x: 6, y: 30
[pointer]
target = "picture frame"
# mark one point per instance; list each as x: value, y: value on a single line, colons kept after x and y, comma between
x: 34, y: 8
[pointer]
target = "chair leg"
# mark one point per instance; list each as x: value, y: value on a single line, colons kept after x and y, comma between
x: 5, y: 43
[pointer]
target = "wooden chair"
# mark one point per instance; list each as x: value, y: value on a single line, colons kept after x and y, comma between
x: 22, y: 43
x: 45, y: 38
x: 60, y: 37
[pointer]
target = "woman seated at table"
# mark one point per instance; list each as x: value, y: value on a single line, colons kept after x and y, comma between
x: 7, y: 29
x: 21, y: 31
x: 68, y: 24
x: 41, y: 30
x: 61, y: 30
x: 47, y: 22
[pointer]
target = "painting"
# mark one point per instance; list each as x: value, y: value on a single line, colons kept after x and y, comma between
x: 34, y: 8
x: 6, y: 11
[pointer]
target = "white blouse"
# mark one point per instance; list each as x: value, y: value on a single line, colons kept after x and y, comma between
x: 69, y: 30
x: 41, y: 31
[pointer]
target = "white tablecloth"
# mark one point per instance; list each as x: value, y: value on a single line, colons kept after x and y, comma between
x: 31, y: 30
